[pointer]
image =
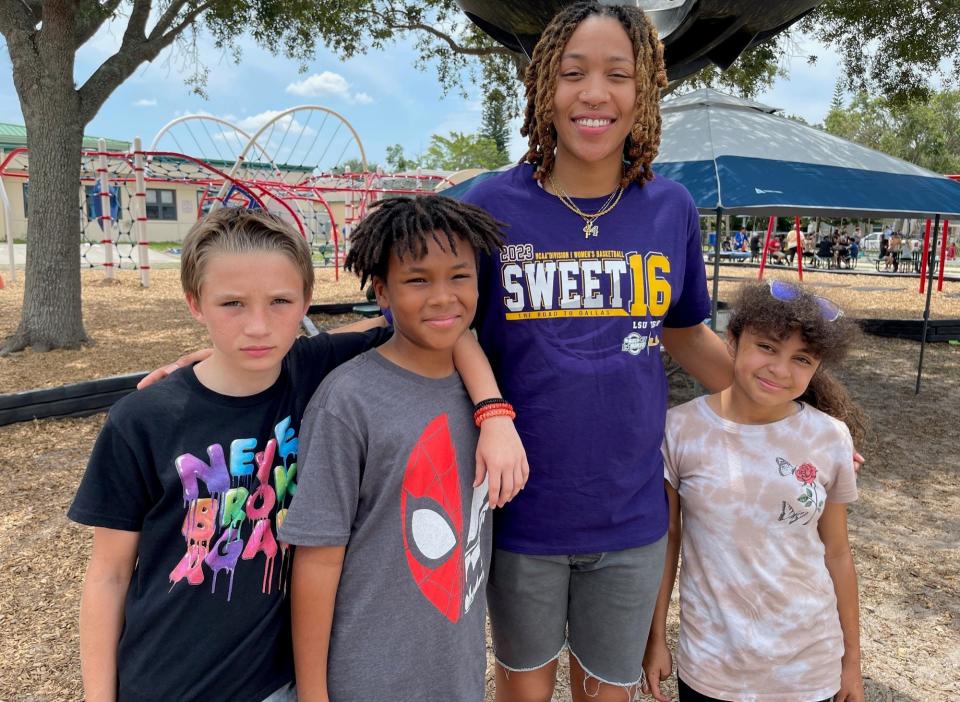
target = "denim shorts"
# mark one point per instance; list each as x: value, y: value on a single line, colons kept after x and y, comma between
x: 287, y: 693
x: 600, y: 605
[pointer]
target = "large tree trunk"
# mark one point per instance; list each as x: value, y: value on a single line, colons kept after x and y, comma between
x: 51, y: 316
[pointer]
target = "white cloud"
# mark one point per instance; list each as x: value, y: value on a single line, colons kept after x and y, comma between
x: 327, y: 83
x: 146, y: 102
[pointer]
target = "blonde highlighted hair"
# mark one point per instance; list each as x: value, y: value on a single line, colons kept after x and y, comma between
x: 232, y: 230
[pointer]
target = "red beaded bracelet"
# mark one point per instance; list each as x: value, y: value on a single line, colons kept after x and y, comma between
x: 505, y: 410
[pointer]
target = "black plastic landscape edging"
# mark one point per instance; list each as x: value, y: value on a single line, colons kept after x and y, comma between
x: 92, y: 396
x: 73, y: 400
x: 937, y: 329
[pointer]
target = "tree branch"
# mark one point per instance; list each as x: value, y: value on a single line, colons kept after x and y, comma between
x: 88, y: 23
x: 137, y: 25
x: 169, y: 16
x: 454, y: 46
x: 133, y: 51
x: 18, y: 19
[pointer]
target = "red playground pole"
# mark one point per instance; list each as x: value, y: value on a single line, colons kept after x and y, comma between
x: 766, y: 243
x: 943, y: 254
x: 796, y: 221
x: 923, y: 259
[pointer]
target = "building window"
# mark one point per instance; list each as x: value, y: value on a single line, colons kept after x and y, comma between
x: 26, y: 199
x: 94, y: 203
x: 161, y: 204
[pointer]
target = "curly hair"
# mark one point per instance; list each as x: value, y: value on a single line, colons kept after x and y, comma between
x: 643, y: 142
x: 403, y: 224
x: 756, y: 309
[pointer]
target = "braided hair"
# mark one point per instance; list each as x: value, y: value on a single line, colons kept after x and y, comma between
x: 643, y: 142
x: 404, y: 224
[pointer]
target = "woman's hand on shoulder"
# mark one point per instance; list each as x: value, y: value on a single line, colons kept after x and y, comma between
x: 162, y: 372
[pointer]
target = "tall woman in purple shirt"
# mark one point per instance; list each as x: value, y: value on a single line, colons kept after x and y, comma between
x: 602, y: 268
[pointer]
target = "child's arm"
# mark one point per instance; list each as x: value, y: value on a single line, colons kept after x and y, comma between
x: 101, y: 609
x: 316, y: 576
x: 657, y: 662
x: 833, y: 532
x: 500, y: 454
x: 701, y: 353
x: 202, y: 354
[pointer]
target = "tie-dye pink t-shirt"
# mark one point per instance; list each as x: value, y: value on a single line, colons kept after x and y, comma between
x: 758, y: 614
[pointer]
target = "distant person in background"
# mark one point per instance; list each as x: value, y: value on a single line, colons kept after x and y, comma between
x: 790, y: 246
x: 754, y: 247
x: 884, y: 245
x: 825, y: 250
x: 892, y: 259
x: 854, y: 252
x: 740, y: 240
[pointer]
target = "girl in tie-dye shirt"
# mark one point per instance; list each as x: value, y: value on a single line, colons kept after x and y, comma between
x: 760, y: 474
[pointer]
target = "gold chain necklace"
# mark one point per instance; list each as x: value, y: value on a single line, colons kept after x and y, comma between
x: 590, y: 227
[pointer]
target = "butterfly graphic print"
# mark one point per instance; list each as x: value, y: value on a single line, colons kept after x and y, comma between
x: 809, y: 503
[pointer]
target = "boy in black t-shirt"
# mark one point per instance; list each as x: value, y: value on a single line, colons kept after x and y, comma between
x: 185, y: 594
x: 185, y: 597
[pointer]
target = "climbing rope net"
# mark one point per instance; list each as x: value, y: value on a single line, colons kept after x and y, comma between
x: 306, y: 164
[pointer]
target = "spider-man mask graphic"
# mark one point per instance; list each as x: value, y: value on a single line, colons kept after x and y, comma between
x: 445, y: 560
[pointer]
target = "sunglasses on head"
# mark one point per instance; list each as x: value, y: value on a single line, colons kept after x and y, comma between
x: 788, y: 292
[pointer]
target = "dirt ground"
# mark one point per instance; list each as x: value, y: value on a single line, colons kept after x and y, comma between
x: 905, y: 529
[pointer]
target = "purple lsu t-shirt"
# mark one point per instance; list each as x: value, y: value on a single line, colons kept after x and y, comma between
x: 573, y: 327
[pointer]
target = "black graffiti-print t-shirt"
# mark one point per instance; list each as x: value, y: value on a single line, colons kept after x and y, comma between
x: 206, y: 480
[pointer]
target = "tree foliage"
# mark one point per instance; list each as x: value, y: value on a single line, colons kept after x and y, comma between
x: 495, y: 123
x: 458, y: 151
x: 896, y: 48
x: 924, y: 132
x: 901, y: 49
x: 398, y: 161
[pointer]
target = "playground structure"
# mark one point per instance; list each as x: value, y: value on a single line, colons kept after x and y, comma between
x: 306, y: 164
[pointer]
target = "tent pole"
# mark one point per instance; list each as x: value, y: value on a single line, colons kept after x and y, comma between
x: 766, y: 244
x: 943, y: 254
x: 716, y: 272
x: 926, y: 309
x: 799, y: 251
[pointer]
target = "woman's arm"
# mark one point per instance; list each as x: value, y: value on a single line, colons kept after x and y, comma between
x: 702, y: 354
x: 500, y: 454
x: 101, y: 609
x: 657, y: 662
x: 203, y: 354
x: 316, y: 576
x: 833, y: 532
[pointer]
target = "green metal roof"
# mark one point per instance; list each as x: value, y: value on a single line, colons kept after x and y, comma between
x: 13, y: 136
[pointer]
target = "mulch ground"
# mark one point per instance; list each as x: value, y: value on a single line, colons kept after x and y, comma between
x: 905, y: 529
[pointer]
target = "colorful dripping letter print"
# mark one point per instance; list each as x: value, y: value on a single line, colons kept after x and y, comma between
x: 239, y: 515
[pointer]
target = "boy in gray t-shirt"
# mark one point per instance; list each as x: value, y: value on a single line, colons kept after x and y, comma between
x: 393, y: 537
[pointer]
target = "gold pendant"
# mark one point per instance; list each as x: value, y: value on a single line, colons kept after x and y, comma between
x: 590, y: 229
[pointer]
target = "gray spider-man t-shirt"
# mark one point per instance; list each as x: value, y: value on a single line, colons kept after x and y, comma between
x: 386, y: 469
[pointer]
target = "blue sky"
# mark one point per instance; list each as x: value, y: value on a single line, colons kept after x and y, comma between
x: 386, y: 99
